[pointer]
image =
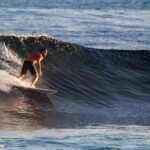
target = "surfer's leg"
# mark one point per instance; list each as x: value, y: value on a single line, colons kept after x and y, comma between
x: 34, y: 79
x: 21, y: 76
x: 33, y: 71
x: 24, y: 70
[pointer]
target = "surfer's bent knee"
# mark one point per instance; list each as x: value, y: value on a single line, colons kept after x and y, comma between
x: 36, y: 75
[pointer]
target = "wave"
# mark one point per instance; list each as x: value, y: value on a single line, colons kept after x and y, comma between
x: 89, y: 81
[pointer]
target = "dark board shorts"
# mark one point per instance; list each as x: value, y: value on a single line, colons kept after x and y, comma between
x: 28, y: 65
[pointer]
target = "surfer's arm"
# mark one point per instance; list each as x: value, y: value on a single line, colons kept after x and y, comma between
x: 39, y: 65
x: 27, y: 55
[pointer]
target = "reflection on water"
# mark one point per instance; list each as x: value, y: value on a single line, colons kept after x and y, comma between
x: 25, y: 110
x: 18, y: 109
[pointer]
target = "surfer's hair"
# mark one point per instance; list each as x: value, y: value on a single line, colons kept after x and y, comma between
x: 43, y: 49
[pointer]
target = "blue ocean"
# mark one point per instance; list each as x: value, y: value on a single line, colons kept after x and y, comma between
x: 98, y: 60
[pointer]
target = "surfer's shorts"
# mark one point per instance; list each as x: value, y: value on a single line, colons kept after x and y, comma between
x: 28, y: 65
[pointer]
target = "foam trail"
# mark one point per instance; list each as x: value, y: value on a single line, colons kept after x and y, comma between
x: 7, y: 80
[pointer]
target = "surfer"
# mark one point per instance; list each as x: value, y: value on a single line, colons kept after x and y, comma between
x: 29, y: 63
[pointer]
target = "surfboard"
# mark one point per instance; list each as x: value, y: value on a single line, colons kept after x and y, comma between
x: 40, y: 90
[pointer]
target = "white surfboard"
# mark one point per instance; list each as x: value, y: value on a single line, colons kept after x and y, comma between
x: 44, y: 91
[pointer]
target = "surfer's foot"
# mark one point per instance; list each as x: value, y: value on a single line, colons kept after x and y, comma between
x: 32, y: 86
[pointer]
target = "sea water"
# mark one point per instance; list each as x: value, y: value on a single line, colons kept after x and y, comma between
x: 98, y: 60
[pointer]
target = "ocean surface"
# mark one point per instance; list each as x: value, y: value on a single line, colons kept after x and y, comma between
x: 98, y: 60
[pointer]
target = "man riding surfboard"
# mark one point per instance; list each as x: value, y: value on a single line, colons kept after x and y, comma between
x: 29, y: 63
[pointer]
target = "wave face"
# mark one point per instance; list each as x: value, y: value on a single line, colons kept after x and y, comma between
x: 96, y: 86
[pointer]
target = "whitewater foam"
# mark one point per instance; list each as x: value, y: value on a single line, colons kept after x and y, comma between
x: 7, y: 58
x: 8, y: 54
x: 7, y: 80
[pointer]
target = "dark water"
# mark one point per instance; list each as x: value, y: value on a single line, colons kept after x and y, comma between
x: 98, y: 60
x: 95, y: 86
x: 103, y: 96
